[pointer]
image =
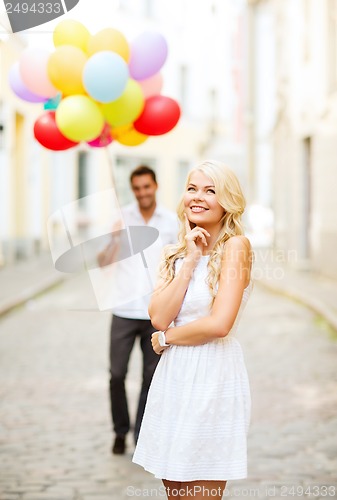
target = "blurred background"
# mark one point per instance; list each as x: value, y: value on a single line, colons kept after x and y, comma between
x: 257, y: 84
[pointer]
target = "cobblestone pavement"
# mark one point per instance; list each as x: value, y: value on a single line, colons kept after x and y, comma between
x: 55, y: 431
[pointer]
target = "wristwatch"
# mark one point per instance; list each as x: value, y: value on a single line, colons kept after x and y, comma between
x: 162, y: 339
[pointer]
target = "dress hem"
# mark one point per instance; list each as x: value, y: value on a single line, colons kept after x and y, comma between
x: 194, y: 478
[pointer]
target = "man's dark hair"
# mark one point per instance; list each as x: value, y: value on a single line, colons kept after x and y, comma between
x: 143, y: 170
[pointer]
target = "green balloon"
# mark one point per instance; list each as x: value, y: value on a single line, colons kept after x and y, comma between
x: 79, y: 118
x: 127, y: 107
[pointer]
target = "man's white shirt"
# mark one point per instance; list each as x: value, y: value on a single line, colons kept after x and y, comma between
x: 128, y: 283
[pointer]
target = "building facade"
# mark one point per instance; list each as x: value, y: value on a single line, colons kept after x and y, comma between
x: 304, y: 134
x: 204, y: 73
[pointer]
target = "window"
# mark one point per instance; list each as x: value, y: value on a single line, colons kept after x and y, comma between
x: 306, y: 30
x: 148, y: 8
x: 213, y: 98
x: 2, y: 127
x: 332, y: 44
x: 82, y: 176
x: 183, y: 85
x: 134, y: 7
x: 183, y: 169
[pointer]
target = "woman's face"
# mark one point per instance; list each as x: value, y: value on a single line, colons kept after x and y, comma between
x: 200, y: 201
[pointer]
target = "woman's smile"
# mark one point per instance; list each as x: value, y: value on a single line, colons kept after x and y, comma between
x: 197, y: 208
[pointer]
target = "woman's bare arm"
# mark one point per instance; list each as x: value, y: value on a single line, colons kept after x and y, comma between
x: 235, y: 274
x: 166, y: 300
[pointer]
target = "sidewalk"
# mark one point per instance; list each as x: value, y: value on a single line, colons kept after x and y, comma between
x: 26, y: 279
x: 23, y: 281
x: 277, y: 272
x: 55, y: 430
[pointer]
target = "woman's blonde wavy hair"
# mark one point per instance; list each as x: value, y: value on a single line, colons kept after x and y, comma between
x: 230, y: 197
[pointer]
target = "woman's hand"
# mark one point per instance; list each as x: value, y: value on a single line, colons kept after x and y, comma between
x: 195, y: 239
x: 158, y: 349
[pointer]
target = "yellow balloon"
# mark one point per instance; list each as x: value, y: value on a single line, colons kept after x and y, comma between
x: 65, y: 67
x: 70, y: 32
x: 109, y: 39
x: 127, y: 107
x: 79, y: 118
x: 128, y: 135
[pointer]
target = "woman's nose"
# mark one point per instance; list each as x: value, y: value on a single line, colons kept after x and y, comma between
x: 198, y: 195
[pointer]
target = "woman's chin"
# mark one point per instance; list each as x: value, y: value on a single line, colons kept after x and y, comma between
x: 197, y: 218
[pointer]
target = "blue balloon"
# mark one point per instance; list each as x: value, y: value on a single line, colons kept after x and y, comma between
x: 105, y: 76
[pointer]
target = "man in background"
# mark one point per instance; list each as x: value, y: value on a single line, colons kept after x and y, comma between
x: 131, y: 320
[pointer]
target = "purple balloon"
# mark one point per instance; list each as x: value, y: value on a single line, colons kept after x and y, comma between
x: 19, y: 87
x: 148, y: 54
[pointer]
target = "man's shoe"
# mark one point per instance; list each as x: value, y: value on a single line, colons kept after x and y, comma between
x: 119, y: 445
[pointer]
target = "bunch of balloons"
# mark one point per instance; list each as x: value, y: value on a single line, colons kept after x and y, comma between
x: 96, y: 88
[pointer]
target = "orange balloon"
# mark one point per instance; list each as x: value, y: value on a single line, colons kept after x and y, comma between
x: 128, y: 136
x: 109, y: 39
x: 65, y: 68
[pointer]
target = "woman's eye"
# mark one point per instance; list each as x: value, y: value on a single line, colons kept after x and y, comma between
x: 211, y: 191
x: 190, y: 189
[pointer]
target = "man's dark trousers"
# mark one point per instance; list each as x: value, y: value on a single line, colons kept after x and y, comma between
x: 122, y: 337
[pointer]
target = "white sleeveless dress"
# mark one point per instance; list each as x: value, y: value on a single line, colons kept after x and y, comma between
x: 198, y: 408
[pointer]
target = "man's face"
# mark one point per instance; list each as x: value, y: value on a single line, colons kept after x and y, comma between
x: 144, y: 188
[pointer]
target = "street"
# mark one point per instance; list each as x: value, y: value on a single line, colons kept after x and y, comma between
x: 55, y: 429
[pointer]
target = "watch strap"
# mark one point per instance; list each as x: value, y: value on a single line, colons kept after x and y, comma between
x: 162, y: 339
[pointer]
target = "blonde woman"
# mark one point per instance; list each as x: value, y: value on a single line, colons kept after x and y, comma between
x: 194, y: 430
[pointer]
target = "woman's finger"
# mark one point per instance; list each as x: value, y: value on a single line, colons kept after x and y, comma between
x: 195, y: 235
x: 203, y: 230
x: 187, y: 224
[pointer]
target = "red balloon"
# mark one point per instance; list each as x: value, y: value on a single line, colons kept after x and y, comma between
x: 159, y: 116
x: 48, y: 134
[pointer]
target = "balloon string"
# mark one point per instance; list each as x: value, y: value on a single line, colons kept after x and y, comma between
x: 111, y: 171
